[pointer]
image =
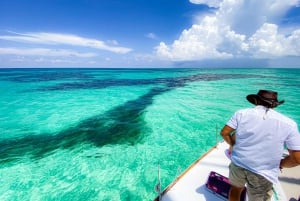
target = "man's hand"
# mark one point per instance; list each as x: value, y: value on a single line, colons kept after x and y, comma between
x: 292, y: 160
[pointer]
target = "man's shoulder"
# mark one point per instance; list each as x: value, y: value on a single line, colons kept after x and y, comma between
x: 284, y: 118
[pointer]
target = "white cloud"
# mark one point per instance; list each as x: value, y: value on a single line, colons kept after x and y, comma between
x: 210, y: 3
x: 63, y: 39
x: 200, y: 42
x: 151, y: 35
x: 238, y: 29
x: 267, y: 42
x: 44, y: 52
x: 245, y: 17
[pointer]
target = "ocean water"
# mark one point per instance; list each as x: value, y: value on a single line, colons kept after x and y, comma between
x: 100, y: 134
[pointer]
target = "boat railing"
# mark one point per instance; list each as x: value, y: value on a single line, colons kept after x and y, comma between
x: 158, y: 185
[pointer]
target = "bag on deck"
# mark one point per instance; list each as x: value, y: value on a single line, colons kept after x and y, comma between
x: 219, y: 185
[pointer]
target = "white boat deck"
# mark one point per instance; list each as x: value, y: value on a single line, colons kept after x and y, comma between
x: 190, y: 185
x: 290, y: 181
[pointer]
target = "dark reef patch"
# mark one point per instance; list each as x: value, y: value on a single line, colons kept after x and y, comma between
x: 123, y: 124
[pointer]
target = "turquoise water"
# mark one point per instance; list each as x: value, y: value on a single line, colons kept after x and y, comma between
x: 99, y: 134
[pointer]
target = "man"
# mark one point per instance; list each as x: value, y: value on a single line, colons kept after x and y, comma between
x: 260, y: 134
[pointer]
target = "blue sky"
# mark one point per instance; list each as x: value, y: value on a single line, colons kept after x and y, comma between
x: 149, y: 33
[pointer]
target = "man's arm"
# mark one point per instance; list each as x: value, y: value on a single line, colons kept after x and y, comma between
x: 292, y: 160
x: 226, y: 134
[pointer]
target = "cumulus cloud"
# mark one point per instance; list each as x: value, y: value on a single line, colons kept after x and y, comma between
x: 63, y: 39
x: 238, y: 29
x: 267, y: 42
x: 198, y: 42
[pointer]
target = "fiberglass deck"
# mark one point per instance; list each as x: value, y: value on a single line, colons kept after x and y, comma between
x: 190, y: 185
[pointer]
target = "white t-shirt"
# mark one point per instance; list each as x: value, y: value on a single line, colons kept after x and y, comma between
x: 260, y: 140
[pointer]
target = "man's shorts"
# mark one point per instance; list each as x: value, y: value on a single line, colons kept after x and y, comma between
x: 258, y: 188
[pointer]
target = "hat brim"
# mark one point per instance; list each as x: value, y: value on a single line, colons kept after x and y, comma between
x: 255, y: 99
